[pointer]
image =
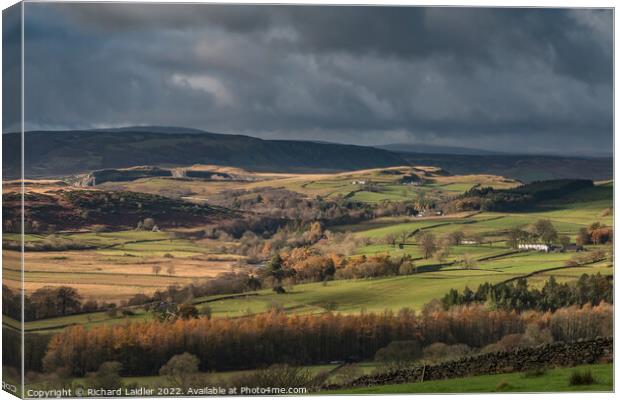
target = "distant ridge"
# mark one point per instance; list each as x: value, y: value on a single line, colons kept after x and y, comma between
x: 415, y: 148
x: 435, y: 149
x: 53, y: 154
x: 150, y: 128
x: 60, y: 153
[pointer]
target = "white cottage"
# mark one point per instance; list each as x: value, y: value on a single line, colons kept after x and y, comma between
x: 534, y: 246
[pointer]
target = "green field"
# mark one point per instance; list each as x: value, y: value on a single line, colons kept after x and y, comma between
x: 354, y: 296
x: 121, y: 261
x: 555, y: 380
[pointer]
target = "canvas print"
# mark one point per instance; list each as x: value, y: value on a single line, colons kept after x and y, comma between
x: 204, y: 199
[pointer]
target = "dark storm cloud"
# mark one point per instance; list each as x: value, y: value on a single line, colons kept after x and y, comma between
x: 11, y: 68
x: 522, y: 79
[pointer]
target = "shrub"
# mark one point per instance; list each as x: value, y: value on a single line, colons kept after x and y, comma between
x: 399, y: 354
x: 407, y: 268
x: 503, y: 385
x: 347, y: 373
x: 507, y: 343
x: 206, y: 312
x: 112, y: 312
x: 188, y: 311
x: 281, y: 375
x: 180, y: 369
x: 438, y: 352
x: 107, y: 376
x: 578, y: 378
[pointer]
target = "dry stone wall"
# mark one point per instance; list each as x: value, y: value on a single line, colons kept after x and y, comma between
x: 557, y: 354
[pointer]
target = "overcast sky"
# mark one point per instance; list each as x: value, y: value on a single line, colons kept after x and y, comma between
x: 530, y: 80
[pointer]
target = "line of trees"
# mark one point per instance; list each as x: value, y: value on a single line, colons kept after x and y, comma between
x: 516, y: 199
x: 517, y: 295
x: 45, y: 302
x: 58, y: 301
x: 307, y: 264
x: 543, y: 231
x: 143, y: 348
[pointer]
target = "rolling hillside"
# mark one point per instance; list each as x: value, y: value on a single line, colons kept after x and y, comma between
x: 61, y: 153
x: 526, y: 168
x: 72, y: 152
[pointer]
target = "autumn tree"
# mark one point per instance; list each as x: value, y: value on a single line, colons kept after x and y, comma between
x: 275, y: 337
x: 545, y: 231
x: 601, y: 234
x: 156, y: 269
x: 583, y: 237
x: 428, y: 243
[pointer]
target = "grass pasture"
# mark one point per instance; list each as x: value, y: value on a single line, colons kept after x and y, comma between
x: 394, y: 293
x: 555, y: 380
x: 387, y: 184
x: 117, y: 265
x: 347, y: 296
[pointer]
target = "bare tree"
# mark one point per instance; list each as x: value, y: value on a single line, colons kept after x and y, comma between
x: 403, y: 236
x: 468, y: 261
x: 457, y: 237
x: 428, y: 243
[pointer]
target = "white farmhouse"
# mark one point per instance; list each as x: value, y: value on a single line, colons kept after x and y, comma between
x: 534, y: 246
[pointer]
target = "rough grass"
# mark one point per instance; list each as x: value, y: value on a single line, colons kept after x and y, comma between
x: 581, y: 378
x: 555, y: 380
x: 121, y: 265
